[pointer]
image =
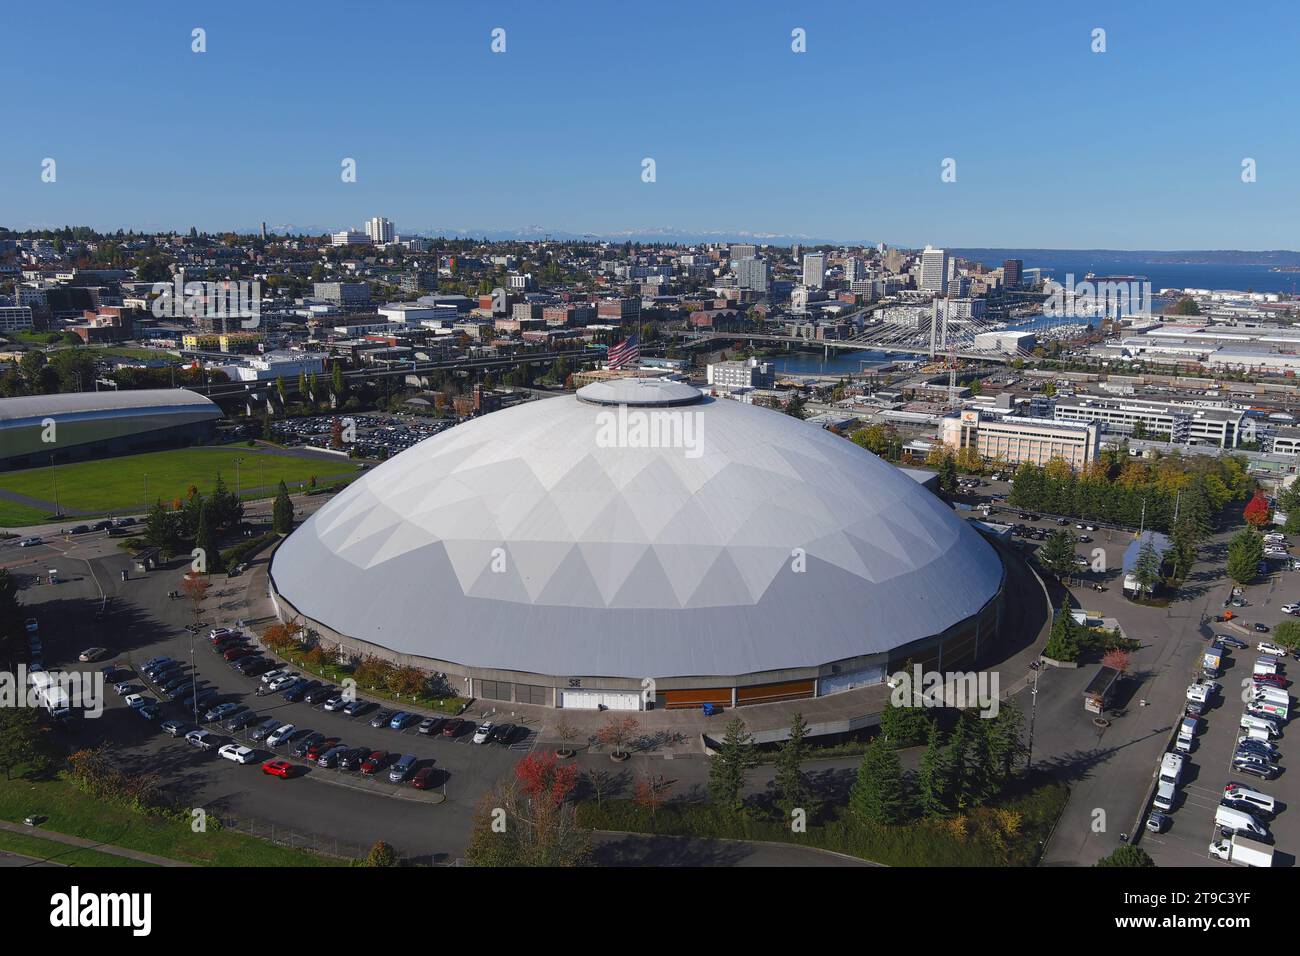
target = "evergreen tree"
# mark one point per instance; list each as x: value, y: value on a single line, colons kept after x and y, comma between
x: 161, y: 530
x: 282, y: 511
x: 792, y: 789
x: 1127, y: 855
x: 1003, y: 742
x: 1057, y: 554
x: 879, y: 793
x: 1245, y: 552
x: 338, y: 381
x: 1063, y: 642
x: 906, y: 726
x: 729, y: 766
x: 934, y: 778
x: 1146, y: 570
x: 205, y: 539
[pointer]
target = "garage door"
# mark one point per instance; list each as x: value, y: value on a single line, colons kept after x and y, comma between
x: 595, y: 699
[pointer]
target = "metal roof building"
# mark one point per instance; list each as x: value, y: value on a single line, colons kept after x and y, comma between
x: 88, y: 424
x: 576, y: 551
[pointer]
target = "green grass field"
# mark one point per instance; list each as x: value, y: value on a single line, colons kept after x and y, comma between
x: 117, y: 485
x: 57, y: 852
x: 70, y: 811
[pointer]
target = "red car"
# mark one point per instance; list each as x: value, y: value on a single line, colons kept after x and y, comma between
x: 278, y: 768
x: 318, y: 748
x: 374, y: 762
x: 1272, y: 680
x: 453, y: 727
x: 424, y: 778
x: 235, y: 653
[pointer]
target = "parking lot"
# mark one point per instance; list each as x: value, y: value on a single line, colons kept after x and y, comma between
x: 432, y: 824
x: 376, y: 436
x: 1209, y: 766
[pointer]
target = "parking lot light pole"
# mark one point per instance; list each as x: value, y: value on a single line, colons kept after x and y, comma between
x: 1036, y: 667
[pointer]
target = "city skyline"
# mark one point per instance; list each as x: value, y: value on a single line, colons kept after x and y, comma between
x: 1055, y: 146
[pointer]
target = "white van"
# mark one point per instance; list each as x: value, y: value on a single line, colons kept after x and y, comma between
x: 1165, y: 797
x: 1276, y: 694
x: 1265, y: 666
x: 1186, y: 734
x: 1238, y: 821
x: 1253, y: 722
x: 1255, y: 733
x: 1236, y: 791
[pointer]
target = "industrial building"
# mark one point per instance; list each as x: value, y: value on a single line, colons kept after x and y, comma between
x: 546, y: 555
x: 97, y: 424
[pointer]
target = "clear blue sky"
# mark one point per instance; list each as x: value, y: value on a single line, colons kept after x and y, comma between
x: 1137, y: 147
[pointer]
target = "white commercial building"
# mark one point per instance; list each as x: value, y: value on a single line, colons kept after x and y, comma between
x: 934, y: 271
x: 1016, y: 440
x: 814, y: 270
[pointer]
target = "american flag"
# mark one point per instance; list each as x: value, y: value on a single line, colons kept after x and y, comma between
x: 625, y: 352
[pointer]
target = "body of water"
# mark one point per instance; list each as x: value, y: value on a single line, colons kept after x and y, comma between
x: 1056, y: 264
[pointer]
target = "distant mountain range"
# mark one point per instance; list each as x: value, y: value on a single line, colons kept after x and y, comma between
x: 1269, y: 257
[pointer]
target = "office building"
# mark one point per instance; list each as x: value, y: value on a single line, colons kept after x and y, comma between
x: 814, y: 270
x: 1017, y: 440
x: 934, y: 271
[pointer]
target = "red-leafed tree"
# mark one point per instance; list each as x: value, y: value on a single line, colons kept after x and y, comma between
x: 1116, y: 659
x: 544, y: 778
x: 1257, y: 512
x: 652, y: 789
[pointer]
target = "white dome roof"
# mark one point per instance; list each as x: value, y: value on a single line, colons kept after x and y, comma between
x: 541, y: 539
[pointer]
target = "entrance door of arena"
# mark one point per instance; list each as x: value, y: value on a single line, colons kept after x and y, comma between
x: 596, y: 699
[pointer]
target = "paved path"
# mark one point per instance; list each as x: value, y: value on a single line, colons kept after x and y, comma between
x: 642, y: 849
x: 84, y: 844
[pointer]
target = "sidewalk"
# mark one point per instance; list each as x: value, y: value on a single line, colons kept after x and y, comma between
x: 82, y: 844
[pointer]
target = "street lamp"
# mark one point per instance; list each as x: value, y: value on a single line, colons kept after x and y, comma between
x: 54, y: 473
x: 1036, y: 667
x: 237, y: 463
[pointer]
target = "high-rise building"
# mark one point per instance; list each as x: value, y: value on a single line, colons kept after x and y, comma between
x: 1012, y: 270
x: 742, y: 250
x: 934, y: 271
x: 814, y: 270
x: 380, y: 230
x: 852, y: 269
x: 752, y: 274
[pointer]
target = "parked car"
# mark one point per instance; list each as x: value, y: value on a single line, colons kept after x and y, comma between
x: 402, y: 768
x: 202, y: 739
x: 173, y: 728
x: 149, y: 711
x: 483, y: 733
x: 92, y: 654
x: 1227, y: 640
x: 320, y: 693
x: 278, y: 768
x: 280, y: 735
x: 246, y: 719
x: 453, y: 727
x: 1158, y: 822
x: 1264, y: 647
x: 357, y: 707
x: 221, y: 711
x: 238, y: 754
x: 503, y: 734
x: 320, y: 746
x: 273, y: 674
x: 424, y: 778
x: 374, y: 761
x: 284, y: 680
x: 353, y: 757
x: 382, y: 718
x: 29, y: 542
x: 330, y: 758
x: 336, y: 703
x: 296, y: 691
x: 431, y: 725
x: 266, y: 727
x: 401, y: 720
x: 303, y: 747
